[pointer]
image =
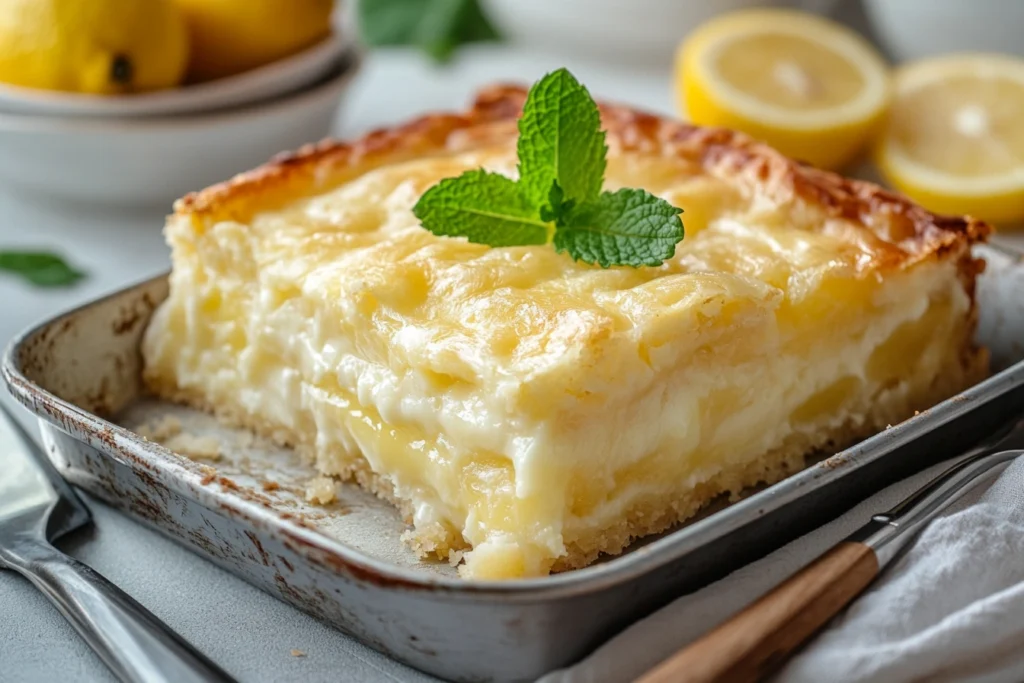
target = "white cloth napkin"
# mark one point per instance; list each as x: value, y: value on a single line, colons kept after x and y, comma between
x: 951, y: 609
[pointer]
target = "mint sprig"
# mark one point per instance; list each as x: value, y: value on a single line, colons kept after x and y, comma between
x: 558, y: 198
x: 39, y: 268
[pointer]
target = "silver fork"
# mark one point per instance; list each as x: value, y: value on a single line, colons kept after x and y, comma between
x: 37, y: 506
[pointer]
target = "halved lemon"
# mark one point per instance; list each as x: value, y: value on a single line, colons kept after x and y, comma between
x: 954, y: 141
x: 809, y: 87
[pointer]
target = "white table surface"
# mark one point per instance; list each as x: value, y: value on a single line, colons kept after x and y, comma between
x: 248, y: 632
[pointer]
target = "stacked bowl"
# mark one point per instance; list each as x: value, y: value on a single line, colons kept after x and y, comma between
x: 148, y: 149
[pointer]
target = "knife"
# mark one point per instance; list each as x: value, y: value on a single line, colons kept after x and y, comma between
x: 37, y: 506
x: 758, y: 640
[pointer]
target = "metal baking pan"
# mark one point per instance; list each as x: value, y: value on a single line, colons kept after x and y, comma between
x: 344, y: 563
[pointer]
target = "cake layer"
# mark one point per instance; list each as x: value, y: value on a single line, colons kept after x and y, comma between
x: 528, y: 412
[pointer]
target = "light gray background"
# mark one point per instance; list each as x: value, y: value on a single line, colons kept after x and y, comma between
x: 248, y: 632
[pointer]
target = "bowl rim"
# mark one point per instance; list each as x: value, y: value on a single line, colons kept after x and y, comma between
x: 335, y: 43
x: 343, y: 71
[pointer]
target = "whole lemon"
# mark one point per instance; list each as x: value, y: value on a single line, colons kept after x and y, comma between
x: 231, y: 36
x: 92, y: 46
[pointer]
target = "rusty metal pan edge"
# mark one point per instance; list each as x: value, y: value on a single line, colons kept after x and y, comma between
x: 153, y: 458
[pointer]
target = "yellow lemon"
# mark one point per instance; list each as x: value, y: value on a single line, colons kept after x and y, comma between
x: 231, y: 36
x: 92, y: 46
x: 954, y: 140
x: 807, y: 86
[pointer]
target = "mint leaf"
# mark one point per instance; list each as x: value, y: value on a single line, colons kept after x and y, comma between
x: 40, y: 268
x: 483, y: 207
x: 560, y: 140
x: 435, y: 26
x: 628, y: 227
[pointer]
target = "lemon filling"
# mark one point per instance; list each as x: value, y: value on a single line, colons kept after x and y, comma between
x: 518, y: 501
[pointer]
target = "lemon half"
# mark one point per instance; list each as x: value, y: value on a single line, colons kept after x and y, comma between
x: 954, y: 141
x: 809, y: 87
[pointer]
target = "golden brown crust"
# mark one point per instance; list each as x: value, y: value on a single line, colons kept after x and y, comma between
x: 902, y: 230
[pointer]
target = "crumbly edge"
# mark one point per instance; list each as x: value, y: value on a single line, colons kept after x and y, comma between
x: 651, y: 515
x: 432, y: 541
x: 357, y: 471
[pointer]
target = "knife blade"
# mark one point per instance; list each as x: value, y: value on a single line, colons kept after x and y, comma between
x: 29, y: 484
x: 129, y: 639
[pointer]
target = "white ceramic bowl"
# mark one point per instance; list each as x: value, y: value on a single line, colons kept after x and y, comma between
x: 152, y: 161
x: 633, y: 31
x: 912, y: 29
x: 277, y: 78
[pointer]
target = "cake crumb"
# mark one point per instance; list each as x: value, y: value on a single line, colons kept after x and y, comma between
x: 298, y: 653
x: 268, y: 485
x: 209, y: 474
x: 197, y: 447
x: 320, y: 490
x: 160, y: 429
x: 455, y: 557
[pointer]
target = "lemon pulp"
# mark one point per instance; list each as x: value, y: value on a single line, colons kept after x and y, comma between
x: 955, y: 138
x: 811, y: 88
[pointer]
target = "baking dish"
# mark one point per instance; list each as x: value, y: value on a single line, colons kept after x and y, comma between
x: 344, y: 563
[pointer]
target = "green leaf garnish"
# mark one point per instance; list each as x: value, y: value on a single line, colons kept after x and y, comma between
x: 624, y: 227
x: 560, y: 139
x: 483, y: 207
x: 562, y: 159
x: 435, y: 26
x: 40, y: 268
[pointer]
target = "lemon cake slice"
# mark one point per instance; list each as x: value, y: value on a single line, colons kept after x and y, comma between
x: 527, y: 412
